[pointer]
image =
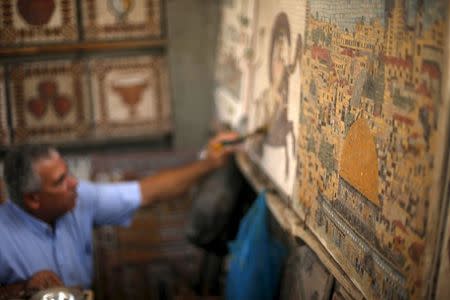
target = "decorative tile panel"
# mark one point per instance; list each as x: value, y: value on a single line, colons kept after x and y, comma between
x: 49, y: 101
x: 121, y: 19
x: 25, y: 22
x: 131, y: 96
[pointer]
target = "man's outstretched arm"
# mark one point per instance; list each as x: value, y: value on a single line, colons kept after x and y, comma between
x: 171, y: 183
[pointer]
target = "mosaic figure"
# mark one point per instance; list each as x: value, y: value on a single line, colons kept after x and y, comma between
x: 280, y: 68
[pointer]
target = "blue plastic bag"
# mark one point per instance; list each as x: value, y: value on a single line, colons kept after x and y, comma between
x: 256, y: 258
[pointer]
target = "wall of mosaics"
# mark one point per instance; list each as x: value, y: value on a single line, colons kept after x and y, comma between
x: 105, y: 81
x: 72, y: 93
x: 355, y: 97
x: 78, y: 51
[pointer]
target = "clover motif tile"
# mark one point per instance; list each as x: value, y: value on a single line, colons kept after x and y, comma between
x: 49, y: 101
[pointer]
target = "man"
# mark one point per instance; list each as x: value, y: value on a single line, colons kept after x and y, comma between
x: 46, y: 226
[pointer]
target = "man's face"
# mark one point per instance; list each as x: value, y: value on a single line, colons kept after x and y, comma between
x: 58, y: 188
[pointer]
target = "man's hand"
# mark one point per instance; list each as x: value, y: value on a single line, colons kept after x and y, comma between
x: 42, y: 280
x: 172, y: 183
x: 217, y: 153
x: 39, y: 281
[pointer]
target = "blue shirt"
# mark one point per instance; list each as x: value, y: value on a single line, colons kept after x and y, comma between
x: 29, y: 245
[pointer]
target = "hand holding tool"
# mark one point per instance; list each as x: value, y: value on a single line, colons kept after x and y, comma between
x: 242, y: 138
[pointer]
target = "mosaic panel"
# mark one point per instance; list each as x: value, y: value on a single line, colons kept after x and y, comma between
x: 131, y: 96
x: 49, y: 101
x: 39, y: 21
x: 121, y: 19
x: 236, y: 62
x: 4, y: 131
x: 276, y: 89
x: 352, y: 92
x: 372, y: 122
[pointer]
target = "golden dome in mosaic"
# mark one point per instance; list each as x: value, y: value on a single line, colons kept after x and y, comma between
x: 359, y: 163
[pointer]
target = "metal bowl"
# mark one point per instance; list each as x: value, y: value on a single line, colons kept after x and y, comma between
x: 59, y: 293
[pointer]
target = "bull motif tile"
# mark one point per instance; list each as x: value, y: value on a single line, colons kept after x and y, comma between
x: 131, y: 96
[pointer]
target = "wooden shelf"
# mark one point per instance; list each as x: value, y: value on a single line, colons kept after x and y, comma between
x: 81, y: 47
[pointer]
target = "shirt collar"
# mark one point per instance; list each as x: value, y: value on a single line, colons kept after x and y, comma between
x: 36, y: 224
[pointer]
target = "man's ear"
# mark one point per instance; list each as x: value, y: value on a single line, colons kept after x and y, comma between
x: 32, y: 201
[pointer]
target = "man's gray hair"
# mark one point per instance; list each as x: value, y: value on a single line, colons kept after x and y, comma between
x: 19, y: 173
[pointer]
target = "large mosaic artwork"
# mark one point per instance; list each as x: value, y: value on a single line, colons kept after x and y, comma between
x: 121, y: 19
x: 370, y: 139
x: 352, y: 93
x: 131, y: 96
x: 4, y: 131
x: 25, y: 22
x: 49, y: 101
x: 235, y: 62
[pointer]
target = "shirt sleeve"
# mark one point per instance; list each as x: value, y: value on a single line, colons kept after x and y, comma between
x: 111, y: 203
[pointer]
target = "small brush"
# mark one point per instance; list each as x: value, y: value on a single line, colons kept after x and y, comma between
x: 242, y: 138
